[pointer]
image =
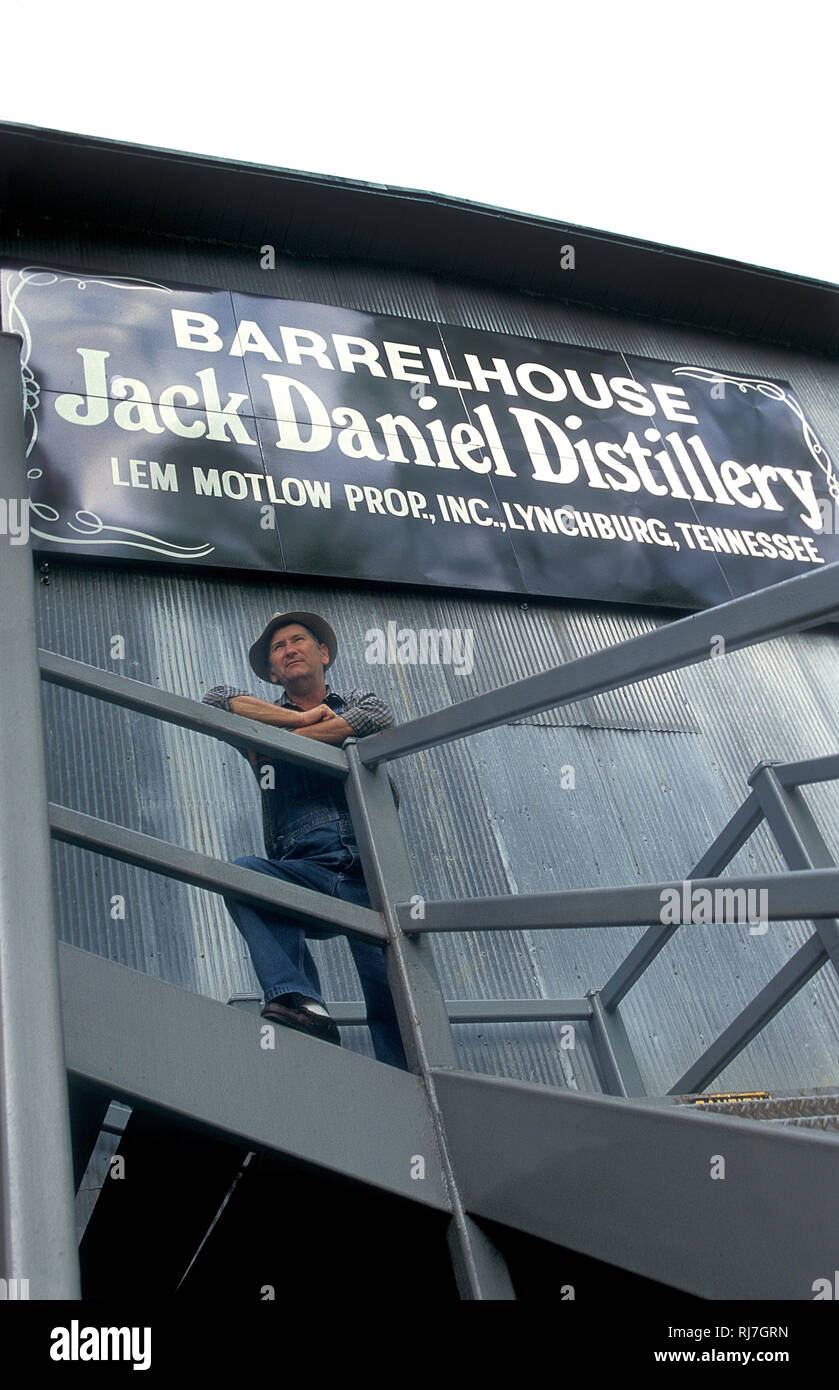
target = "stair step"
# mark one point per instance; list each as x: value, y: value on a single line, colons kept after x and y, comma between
x: 809, y: 1122
x: 818, y: 1104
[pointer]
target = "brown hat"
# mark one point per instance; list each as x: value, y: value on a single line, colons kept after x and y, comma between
x: 323, y: 632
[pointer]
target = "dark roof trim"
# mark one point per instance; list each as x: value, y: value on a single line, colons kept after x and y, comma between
x: 84, y: 180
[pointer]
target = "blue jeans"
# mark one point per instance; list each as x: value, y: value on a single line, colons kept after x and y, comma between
x: 327, y: 862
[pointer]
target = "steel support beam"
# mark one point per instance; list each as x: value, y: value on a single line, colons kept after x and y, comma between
x: 632, y: 1183
x: 811, y: 770
x: 420, y: 1007
x: 347, y: 1011
x: 188, y: 866
x: 614, y: 1050
x: 781, y: 988
x: 807, y: 893
x: 152, y: 1045
x: 743, y: 823
x: 479, y: 1268
x: 88, y: 1109
x: 518, y: 1010
x: 780, y: 608
x: 798, y: 838
x: 37, y: 1222
x: 803, y: 847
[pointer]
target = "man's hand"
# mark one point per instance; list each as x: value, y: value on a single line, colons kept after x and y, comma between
x: 326, y: 728
x: 319, y: 715
x: 333, y: 730
x: 296, y: 721
x: 252, y: 708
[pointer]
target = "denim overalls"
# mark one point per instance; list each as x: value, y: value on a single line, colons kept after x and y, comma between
x: 310, y: 841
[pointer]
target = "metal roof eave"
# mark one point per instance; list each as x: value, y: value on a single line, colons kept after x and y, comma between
x: 86, y: 180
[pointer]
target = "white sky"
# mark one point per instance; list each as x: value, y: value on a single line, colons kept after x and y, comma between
x: 709, y: 126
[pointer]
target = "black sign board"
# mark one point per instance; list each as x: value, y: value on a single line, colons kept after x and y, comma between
x: 211, y: 428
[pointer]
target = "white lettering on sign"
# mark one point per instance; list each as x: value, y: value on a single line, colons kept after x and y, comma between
x: 549, y: 451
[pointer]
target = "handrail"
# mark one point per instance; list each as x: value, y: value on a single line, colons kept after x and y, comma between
x: 801, y: 893
x: 804, y: 601
x: 190, y: 714
x: 809, y: 771
x: 215, y: 875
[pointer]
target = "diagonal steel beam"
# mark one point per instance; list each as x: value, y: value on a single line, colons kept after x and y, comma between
x: 780, y: 608
x: 154, y: 1045
x: 798, y: 837
x: 802, y: 845
x: 730, y: 839
x: 633, y: 1184
x: 792, y: 977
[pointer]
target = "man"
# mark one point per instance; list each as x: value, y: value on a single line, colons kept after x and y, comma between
x: 309, y: 838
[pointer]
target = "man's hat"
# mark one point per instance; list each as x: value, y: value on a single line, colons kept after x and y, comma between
x: 323, y: 632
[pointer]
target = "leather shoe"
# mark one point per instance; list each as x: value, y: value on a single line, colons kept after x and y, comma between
x: 288, y: 1011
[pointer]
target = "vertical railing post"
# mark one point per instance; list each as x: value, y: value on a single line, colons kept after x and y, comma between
x: 479, y: 1267
x: 37, y: 1224
x: 799, y: 839
x: 613, y: 1049
x: 420, y: 1007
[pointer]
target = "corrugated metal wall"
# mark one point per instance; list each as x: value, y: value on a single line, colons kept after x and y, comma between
x: 657, y: 769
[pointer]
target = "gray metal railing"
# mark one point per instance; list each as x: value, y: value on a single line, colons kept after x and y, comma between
x: 810, y: 889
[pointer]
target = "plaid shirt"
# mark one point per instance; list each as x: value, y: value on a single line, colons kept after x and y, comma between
x: 365, y: 713
x: 301, y: 800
